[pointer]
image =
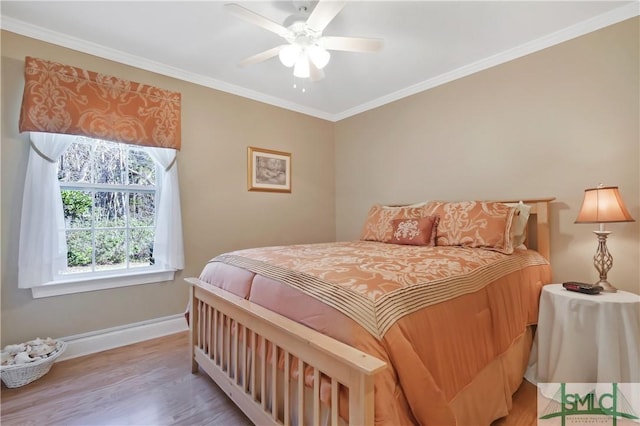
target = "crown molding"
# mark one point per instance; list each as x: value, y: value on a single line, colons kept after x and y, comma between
x: 601, y: 21
x: 612, y: 17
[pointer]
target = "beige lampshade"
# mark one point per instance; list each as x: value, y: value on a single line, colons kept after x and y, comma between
x: 603, y: 204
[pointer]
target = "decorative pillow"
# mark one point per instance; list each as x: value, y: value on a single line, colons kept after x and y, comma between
x: 519, y: 226
x: 481, y: 224
x: 378, y: 226
x: 415, y: 232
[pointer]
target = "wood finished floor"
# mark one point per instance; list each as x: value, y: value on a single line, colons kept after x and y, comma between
x: 149, y: 383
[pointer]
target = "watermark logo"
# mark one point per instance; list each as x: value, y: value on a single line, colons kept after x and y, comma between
x: 615, y: 404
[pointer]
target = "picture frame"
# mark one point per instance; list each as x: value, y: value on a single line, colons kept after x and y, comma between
x: 268, y: 170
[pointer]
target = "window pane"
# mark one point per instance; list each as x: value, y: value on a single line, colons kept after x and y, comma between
x: 108, y: 228
x: 77, y: 208
x: 110, y: 249
x: 141, y: 208
x: 110, y: 209
x: 79, y: 251
x: 109, y: 163
x: 142, y: 169
x: 75, y: 164
x: 141, y: 247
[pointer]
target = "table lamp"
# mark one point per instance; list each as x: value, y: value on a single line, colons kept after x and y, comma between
x: 603, y: 205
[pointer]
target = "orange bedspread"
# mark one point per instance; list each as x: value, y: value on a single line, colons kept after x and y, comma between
x: 439, y: 316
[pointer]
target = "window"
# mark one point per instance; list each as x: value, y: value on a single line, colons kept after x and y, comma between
x: 109, y: 192
x: 97, y: 215
x: 115, y: 201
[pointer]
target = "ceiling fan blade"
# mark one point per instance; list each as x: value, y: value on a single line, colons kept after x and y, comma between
x: 323, y: 13
x: 351, y: 44
x: 255, y: 19
x: 260, y: 57
x: 315, y: 73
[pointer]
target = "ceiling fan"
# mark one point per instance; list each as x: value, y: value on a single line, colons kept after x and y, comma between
x: 307, y: 49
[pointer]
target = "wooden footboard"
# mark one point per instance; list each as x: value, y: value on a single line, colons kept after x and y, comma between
x: 233, y: 340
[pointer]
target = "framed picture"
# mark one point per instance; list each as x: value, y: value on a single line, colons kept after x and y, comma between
x: 268, y: 170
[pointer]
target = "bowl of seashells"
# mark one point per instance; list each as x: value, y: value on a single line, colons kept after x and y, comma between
x: 25, y: 362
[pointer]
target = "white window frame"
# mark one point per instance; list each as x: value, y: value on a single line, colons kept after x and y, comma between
x: 101, y: 280
x: 107, y: 281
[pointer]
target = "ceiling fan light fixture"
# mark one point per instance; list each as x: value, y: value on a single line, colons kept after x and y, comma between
x: 289, y: 55
x: 308, y: 50
x: 319, y: 56
x: 301, y: 69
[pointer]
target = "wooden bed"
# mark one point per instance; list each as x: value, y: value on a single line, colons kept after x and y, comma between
x: 236, y: 341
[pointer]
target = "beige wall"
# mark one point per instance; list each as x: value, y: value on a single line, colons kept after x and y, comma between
x: 552, y: 123
x: 219, y: 214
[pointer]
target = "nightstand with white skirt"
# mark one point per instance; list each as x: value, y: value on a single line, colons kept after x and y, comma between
x: 586, y: 338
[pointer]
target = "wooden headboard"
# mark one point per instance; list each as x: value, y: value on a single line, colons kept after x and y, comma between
x: 538, y: 232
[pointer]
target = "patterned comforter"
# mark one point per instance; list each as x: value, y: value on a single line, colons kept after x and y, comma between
x: 442, y: 318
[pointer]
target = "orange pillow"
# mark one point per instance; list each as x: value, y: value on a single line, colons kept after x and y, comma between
x: 415, y: 232
x: 379, y: 227
x: 481, y: 224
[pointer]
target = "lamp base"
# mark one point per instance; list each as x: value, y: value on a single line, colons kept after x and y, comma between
x: 606, y: 286
x: 603, y: 261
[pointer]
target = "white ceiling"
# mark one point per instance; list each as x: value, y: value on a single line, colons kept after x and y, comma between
x: 426, y: 43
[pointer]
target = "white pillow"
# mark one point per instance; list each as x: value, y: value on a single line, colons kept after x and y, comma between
x: 519, y: 228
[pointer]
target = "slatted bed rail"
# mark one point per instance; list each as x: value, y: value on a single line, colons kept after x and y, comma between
x: 236, y: 342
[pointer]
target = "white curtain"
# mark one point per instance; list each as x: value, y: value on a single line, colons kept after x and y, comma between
x: 43, y: 245
x: 168, y: 250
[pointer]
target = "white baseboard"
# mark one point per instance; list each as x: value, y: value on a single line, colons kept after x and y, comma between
x: 102, y: 340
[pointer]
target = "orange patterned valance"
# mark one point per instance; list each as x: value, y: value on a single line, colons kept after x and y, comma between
x: 64, y: 99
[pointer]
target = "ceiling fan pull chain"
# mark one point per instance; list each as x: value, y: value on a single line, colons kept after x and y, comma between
x: 303, y: 89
